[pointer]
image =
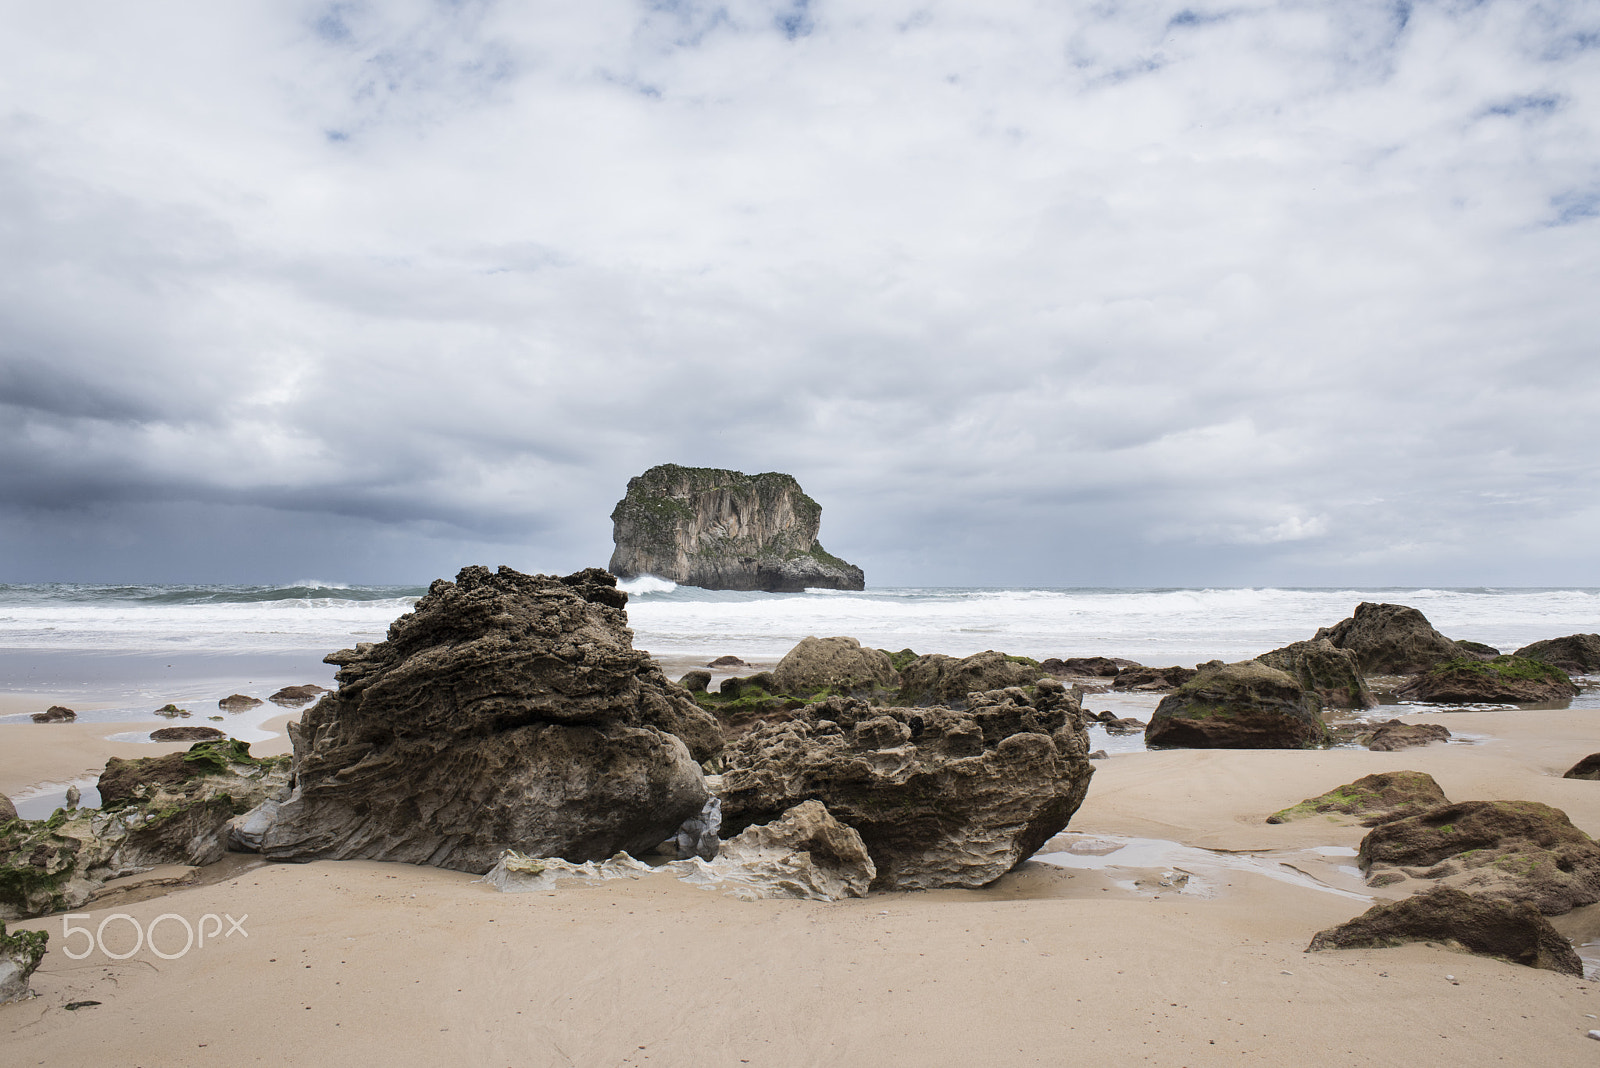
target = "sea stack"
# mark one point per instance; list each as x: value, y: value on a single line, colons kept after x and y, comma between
x: 724, y: 530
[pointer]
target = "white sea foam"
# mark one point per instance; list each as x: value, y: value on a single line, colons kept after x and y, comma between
x: 646, y: 584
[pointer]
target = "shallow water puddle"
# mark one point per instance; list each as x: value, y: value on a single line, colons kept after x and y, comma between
x: 40, y: 802
x: 1152, y: 865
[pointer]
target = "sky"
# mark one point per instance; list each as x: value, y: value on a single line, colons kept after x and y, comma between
x: 1075, y: 294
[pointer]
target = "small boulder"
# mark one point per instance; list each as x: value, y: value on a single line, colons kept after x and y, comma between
x: 727, y: 662
x: 8, y: 811
x: 1512, y: 931
x: 1238, y: 706
x: 55, y: 714
x: 697, y: 681
x: 1505, y: 679
x: 1578, y: 654
x: 1322, y: 667
x: 186, y: 734
x: 1587, y: 768
x: 1390, y: 639
x: 833, y: 664
x: 1388, y: 737
x: 238, y: 702
x: 20, y: 954
x: 936, y: 679
x: 1516, y: 850
x: 1477, y: 650
x: 291, y: 696
x: 1153, y: 679
x: 170, y: 711
x: 1098, y: 667
x: 1379, y: 798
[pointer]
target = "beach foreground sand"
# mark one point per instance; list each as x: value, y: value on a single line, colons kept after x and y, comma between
x: 367, y: 963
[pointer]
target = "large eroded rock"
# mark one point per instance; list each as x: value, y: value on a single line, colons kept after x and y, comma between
x: 1378, y: 798
x: 1390, y: 639
x: 1578, y: 654
x: 942, y: 798
x: 832, y: 664
x: 1467, y: 680
x: 1238, y: 706
x: 938, y: 679
x: 1327, y: 670
x: 507, y: 711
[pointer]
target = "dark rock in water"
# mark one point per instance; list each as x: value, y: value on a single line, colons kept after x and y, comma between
x: 1511, y: 931
x: 186, y: 734
x: 1576, y: 653
x: 1128, y: 725
x: 725, y: 530
x: 1388, y: 737
x: 1322, y: 667
x: 942, y: 798
x: 506, y: 711
x: 1149, y: 679
x: 727, y: 662
x: 170, y: 711
x: 1099, y: 667
x: 238, y: 702
x: 1587, y: 768
x: 1477, y: 650
x: 839, y: 664
x: 20, y: 954
x: 55, y: 714
x: 1516, y: 850
x: 1503, y: 679
x: 1380, y: 798
x: 295, y: 696
x: 1238, y: 706
x: 1390, y: 639
x: 945, y: 680
x: 697, y: 681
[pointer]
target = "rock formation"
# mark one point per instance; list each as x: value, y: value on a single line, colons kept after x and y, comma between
x: 941, y: 798
x: 832, y: 664
x: 1393, y: 734
x: 20, y: 954
x: 1326, y: 669
x: 238, y: 702
x: 1152, y: 679
x: 1380, y: 798
x: 8, y: 811
x: 1515, y: 850
x: 506, y: 711
x: 55, y: 714
x: 938, y: 679
x: 1510, y: 931
x: 1578, y: 654
x: 724, y: 530
x: 1466, y: 680
x: 1390, y: 639
x: 1587, y: 768
x: 186, y: 734
x: 1238, y: 706
x: 1082, y: 666
x: 295, y: 696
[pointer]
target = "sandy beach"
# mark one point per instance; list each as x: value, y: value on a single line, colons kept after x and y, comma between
x: 357, y: 962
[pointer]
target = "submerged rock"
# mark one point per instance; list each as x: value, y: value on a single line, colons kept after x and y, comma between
x: 20, y: 954
x: 1379, y: 798
x: 1466, y: 680
x: 238, y: 702
x: 839, y: 664
x: 724, y: 530
x: 1509, y: 930
x: 1153, y: 679
x: 1393, y: 735
x: 945, y: 680
x: 186, y: 734
x: 1390, y: 639
x: 1325, y: 669
x: 506, y: 711
x: 942, y: 798
x: 1515, y: 850
x: 1238, y: 706
x: 55, y: 714
x: 295, y: 696
x: 1578, y: 654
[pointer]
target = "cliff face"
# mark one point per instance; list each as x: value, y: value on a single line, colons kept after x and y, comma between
x: 724, y: 530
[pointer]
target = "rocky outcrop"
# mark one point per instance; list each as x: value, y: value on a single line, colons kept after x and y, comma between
x: 186, y: 734
x: 1238, y: 706
x: 295, y: 696
x: 238, y: 702
x: 1511, y: 931
x: 1327, y: 670
x: 938, y: 679
x: 942, y: 798
x: 8, y: 811
x: 1098, y: 667
x: 839, y: 664
x: 1515, y: 850
x: 506, y: 711
x: 20, y: 954
x: 1504, y: 679
x: 1578, y: 654
x: 724, y: 530
x: 1152, y: 679
x: 1587, y: 768
x: 1374, y: 799
x: 1393, y: 734
x: 1390, y: 639
x: 54, y: 714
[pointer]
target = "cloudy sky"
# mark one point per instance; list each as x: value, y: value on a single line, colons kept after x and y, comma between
x: 1131, y: 292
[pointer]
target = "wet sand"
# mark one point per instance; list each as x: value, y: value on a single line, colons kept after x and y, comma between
x: 357, y: 962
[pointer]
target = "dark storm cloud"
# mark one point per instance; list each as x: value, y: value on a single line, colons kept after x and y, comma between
x: 1136, y: 292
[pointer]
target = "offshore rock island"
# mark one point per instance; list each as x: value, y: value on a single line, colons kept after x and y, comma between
x: 725, y: 530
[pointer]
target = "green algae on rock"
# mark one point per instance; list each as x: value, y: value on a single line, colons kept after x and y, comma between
x: 1375, y: 799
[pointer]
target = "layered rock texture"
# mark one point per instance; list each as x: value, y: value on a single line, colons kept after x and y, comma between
x: 1323, y: 667
x: 507, y: 711
x: 942, y: 798
x: 1238, y: 706
x: 938, y: 679
x: 724, y: 530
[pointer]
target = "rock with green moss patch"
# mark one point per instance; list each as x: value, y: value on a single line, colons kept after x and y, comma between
x: 1575, y: 653
x: 8, y: 811
x: 1374, y: 799
x: 947, y: 680
x: 1511, y: 931
x: 840, y: 664
x: 1322, y: 667
x: 1514, y: 850
x: 1390, y: 639
x: 1465, y: 680
x: 724, y: 530
x: 1247, y: 705
x: 20, y: 954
